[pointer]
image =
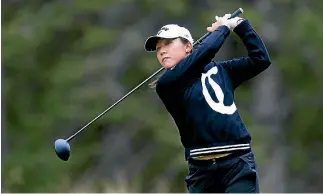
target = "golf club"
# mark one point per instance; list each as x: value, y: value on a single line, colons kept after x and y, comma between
x: 62, y: 147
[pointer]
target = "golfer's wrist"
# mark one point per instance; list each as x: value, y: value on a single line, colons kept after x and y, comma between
x: 223, y: 28
x: 242, y: 28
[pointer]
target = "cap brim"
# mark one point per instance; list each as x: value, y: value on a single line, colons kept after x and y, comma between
x: 151, y: 42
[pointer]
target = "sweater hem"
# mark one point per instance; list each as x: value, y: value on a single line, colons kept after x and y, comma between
x: 215, y: 150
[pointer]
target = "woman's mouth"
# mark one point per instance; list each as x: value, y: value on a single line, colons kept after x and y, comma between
x: 165, y: 59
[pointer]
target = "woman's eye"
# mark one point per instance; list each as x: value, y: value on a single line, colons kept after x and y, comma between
x: 168, y: 42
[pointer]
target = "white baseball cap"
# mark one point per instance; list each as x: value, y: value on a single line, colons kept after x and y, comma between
x: 168, y: 31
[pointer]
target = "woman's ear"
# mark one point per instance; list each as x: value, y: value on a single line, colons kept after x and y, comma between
x: 188, y: 48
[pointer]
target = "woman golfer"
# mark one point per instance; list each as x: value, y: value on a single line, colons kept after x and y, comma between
x: 199, y: 94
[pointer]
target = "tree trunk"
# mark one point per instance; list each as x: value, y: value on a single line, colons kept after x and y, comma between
x: 270, y: 108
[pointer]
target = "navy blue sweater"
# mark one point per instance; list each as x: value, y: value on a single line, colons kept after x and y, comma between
x: 199, y: 93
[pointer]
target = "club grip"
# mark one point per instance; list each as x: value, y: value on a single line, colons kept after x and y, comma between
x: 234, y: 14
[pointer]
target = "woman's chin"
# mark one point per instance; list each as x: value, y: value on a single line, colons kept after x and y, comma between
x: 168, y: 65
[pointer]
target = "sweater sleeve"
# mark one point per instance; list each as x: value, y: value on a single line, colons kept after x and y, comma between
x: 245, y: 68
x: 191, y: 67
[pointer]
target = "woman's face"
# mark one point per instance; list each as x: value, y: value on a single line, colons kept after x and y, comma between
x: 172, y: 51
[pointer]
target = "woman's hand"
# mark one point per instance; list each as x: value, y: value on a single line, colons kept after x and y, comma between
x: 215, y: 25
x: 230, y: 23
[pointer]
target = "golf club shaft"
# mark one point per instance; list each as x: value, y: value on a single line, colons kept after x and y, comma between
x: 234, y: 14
x: 113, y: 105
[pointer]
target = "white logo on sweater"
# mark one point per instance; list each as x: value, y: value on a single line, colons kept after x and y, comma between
x: 216, y: 106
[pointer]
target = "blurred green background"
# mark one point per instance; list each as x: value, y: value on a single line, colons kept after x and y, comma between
x: 66, y: 61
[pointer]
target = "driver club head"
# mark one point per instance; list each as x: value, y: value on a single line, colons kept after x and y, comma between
x: 62, y: 149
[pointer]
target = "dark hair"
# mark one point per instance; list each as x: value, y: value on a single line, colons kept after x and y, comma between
x: 154, y: 83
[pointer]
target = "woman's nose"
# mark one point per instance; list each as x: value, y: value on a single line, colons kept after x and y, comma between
x: 162, y: 51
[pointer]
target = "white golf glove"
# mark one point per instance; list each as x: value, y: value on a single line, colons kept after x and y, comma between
x: 230, y: 23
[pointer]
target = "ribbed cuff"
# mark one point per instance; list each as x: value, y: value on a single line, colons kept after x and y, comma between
x: 242, y: 28
x: 224, y: 29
